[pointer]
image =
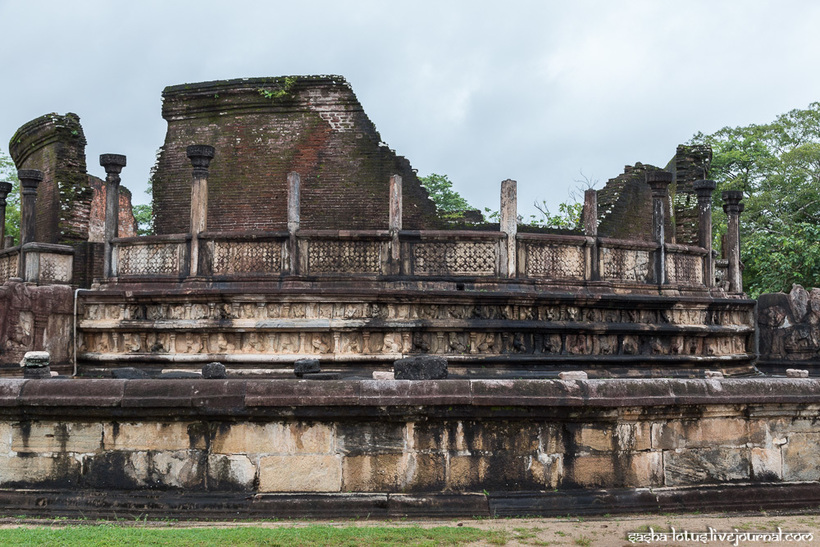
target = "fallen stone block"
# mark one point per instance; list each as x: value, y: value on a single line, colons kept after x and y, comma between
x: 422, y: 367
x: 214, y: 371
x: 573, y: 375
x: 796, y: 373
x: 306, y: 366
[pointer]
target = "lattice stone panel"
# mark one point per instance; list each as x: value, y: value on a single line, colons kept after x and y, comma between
x: 152, y: 259
x: 55, y: 268
x: 8, y: 267
x: 684, y: 268
x: 247, y: 257
x: 554, y: 261
x: 625, y: 264
x: 455, y: 258
x: 344, y: 257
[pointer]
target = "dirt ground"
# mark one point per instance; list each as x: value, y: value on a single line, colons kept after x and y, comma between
x: 689, y: 529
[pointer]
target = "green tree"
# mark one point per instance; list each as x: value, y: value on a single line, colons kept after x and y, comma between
x: 8, y: 172
x: 449, y: 203
x: 777, y: 166
x: 144, y: 215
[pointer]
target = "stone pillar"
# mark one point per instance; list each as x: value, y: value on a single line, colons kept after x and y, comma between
x: 394, y: 223
x: 5, y: 188
x: 704, y: 189
x: 200, y: 156
x: 733, y: 208
x: 113, y: 164
x: 659, y: 181
x: 509, y: 225
x: 29, y: 180
x: 294, y: 218
x: 589, y: 220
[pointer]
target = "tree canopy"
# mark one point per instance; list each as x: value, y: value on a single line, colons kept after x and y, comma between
x: 9, y: 173
x: 777, y: 167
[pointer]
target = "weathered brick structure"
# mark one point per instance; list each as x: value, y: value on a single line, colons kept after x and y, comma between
x: 625, y: 202
x: 264, y: 128
x: 70, y: 202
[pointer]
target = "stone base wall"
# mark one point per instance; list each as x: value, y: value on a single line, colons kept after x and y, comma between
x: 460, y: 438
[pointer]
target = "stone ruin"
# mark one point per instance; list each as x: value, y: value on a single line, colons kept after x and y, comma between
x: 242, y: 360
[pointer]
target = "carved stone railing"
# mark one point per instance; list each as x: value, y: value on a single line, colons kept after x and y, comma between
x: 626, y: 260
x: 323, y: 252
x: 421, y: 254
x: 9, y: 263
x: 557, y: 257
x: 450, y: 253
x: 151, y: 256
x: 243, y: 255
x: 48, y: 264
x: 684, y: 264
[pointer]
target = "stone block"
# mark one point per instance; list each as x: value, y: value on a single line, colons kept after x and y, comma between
x: 796, y: 373
x: 596, y: 438
x: 230, y: 472
x: 703, y: 466
x: 703, y: 433
x: 518, y: 437
x: 546, y: 469
x: 300, y: 473
x: 767, y: 464
x: 465, y: 472
x: 273, y: 438
x: 421, y: 367
x: 42, y: 437
x: 573, y: 375
x: 157, y: 436
x: 595, y: 471
x: 129, y: 373
x: 801, y: 459
x: 306, y: 366
x: 214, y: 371
x: 39, y: 472
x: 371, y: 437
x: 373, y: 472
x: 146, y: 469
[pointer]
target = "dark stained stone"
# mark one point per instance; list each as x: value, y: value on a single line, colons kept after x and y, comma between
x: 422, y: 367
x: 129, y: 373
x: 214, y: 371
x: 306, y: 366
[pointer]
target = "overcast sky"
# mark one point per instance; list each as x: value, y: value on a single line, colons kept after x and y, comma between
x: 481, y: 91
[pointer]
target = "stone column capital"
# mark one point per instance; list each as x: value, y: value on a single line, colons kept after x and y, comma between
x: 5, y: 188
x: 704, y: 189
x: 659, y: 181
x: 731, y: 201
x: 29, y: 180
x: 113, y: 163
x: 200, y: 156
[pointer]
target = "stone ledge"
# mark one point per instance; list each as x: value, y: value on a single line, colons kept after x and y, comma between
x: 244, y: 397
x: 230, y: 505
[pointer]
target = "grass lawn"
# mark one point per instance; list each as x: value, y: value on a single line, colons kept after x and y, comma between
x: 109, y: 534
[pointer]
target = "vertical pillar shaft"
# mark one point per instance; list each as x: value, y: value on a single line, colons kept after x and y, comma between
x: 29, y: 181
x: 5, y: 188
x: 394, y: 223
x: 733, y: 207
x: 509, y: 224
x: 113, y: 164
x: 200, y: 156
x: 659, y: 183
x: 704, y: 189
x: 590, y: 224
x: 294, y: 218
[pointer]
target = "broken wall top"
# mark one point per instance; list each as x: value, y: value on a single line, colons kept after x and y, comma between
x: 264, y: 128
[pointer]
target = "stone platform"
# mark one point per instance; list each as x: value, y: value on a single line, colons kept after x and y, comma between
x: 281, y: 448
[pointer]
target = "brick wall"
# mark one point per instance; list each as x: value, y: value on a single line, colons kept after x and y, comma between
x: 264, y: 128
